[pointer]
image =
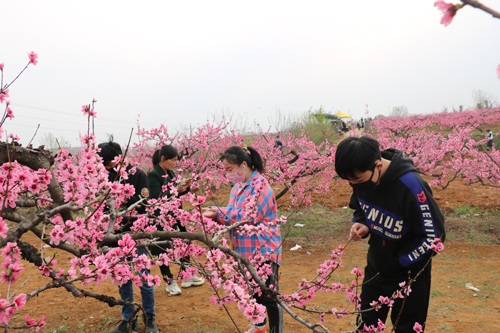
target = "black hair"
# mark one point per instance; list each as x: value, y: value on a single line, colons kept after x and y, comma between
x: 238, y: 155
x: 356, y: 155
x: 109, y: 150
x: 167, y: 152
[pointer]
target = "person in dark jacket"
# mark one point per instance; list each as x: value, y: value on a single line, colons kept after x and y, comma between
x: 394, y: 206
x: 278, y: 144
x: 164, y: 161
x: 489, y: 136
x: 108, y: 152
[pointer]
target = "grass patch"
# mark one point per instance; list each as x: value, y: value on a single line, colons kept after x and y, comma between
x: 439, y: 293
x: 468, y: 211
x: 200, y: 327
x: 60, y: 329
x: 321, y: 224
x: 473, y: 226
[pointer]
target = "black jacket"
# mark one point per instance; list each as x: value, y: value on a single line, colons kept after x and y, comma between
x: 402, y: 216
x: 141, y: 185
x: 157, y: 180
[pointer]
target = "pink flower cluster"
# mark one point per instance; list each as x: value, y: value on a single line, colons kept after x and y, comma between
x: 87, y: 111
x: 437, y: 246
x: 440, y: 153
x: 8, y: 309
x: 11, y: 267
x: 16, y: 179
x: 32, y: 323
x: 33, y: 58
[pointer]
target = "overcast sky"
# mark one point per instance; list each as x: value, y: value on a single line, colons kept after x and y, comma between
x: 177, y: 62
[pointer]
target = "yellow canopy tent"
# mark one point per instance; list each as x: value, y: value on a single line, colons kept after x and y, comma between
x: 343, y: 115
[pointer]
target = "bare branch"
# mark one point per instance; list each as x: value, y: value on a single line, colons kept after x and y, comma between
x: 478, y: 5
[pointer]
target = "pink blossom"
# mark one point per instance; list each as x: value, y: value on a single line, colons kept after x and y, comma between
x: 13, y: 136
x: 449, y: 10
x: 381, y: 325
x: 498, y: 71
x: 19, y: 301
x: 417, y: 328
x: 3, y: 95
x: 10, y: 114
x: 376, y: 305
x: 29, y: 321
x: 41, y: 324
x: 33, y: 56
x: 358, y: 272
x: 86, y: 110
x: 199, y: 201
x: 3, y: 228
x: 1, y: 67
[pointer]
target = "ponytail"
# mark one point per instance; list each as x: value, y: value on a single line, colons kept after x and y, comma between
x: 156, y: 157
x: 238, y: 155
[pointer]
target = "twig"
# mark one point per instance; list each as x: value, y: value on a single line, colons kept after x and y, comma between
x: 29, y: 277
x: 491, y: 158
x: 8, y: 85
x: 34, y: 134
x: 478, y: 5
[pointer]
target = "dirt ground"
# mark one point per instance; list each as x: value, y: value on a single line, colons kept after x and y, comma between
x: 453, y: 308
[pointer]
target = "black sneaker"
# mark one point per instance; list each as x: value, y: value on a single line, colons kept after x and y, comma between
x: 124, y: 327
x: 150, y: 324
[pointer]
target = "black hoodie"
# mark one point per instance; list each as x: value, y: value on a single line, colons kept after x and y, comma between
x: 141, y: 185
x: 402, y: 216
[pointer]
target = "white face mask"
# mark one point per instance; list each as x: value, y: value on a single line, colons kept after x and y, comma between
x: 233, y: 177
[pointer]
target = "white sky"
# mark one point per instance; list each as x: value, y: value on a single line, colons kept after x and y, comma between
x: 176, y: 62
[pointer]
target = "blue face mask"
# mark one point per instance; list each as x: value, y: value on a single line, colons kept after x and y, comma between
x: 368, y: 185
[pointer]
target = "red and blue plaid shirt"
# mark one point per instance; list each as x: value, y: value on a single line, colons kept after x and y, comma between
x: 268, y: 242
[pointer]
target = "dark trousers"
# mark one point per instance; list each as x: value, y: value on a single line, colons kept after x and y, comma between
x: 414, y: 309
x: 165, y: 269
x: 274, y: 311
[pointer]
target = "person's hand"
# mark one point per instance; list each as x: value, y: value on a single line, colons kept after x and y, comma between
x: 358, y: 231
x: 209, y: 212
x: 184, y: 186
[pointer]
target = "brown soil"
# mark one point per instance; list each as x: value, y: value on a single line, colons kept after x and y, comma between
x: 453, y: 308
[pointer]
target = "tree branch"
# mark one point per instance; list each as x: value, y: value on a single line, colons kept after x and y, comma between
x: 31, y: 254
x: 478, y: 5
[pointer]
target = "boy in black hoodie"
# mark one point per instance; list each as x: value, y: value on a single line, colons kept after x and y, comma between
x: 394, y: 206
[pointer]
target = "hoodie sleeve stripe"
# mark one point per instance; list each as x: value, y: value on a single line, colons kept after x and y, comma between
x: 426, y: 220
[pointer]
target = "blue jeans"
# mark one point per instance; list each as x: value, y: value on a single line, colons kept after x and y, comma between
x: 127, y: 294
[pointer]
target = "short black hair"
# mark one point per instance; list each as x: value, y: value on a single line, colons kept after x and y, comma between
x: 167, y: 151
x: 356, y: 155
x: 109, y: 150
x: 238, y: 155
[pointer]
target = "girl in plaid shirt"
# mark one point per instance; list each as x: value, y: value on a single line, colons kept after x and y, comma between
x: 252, y: 199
